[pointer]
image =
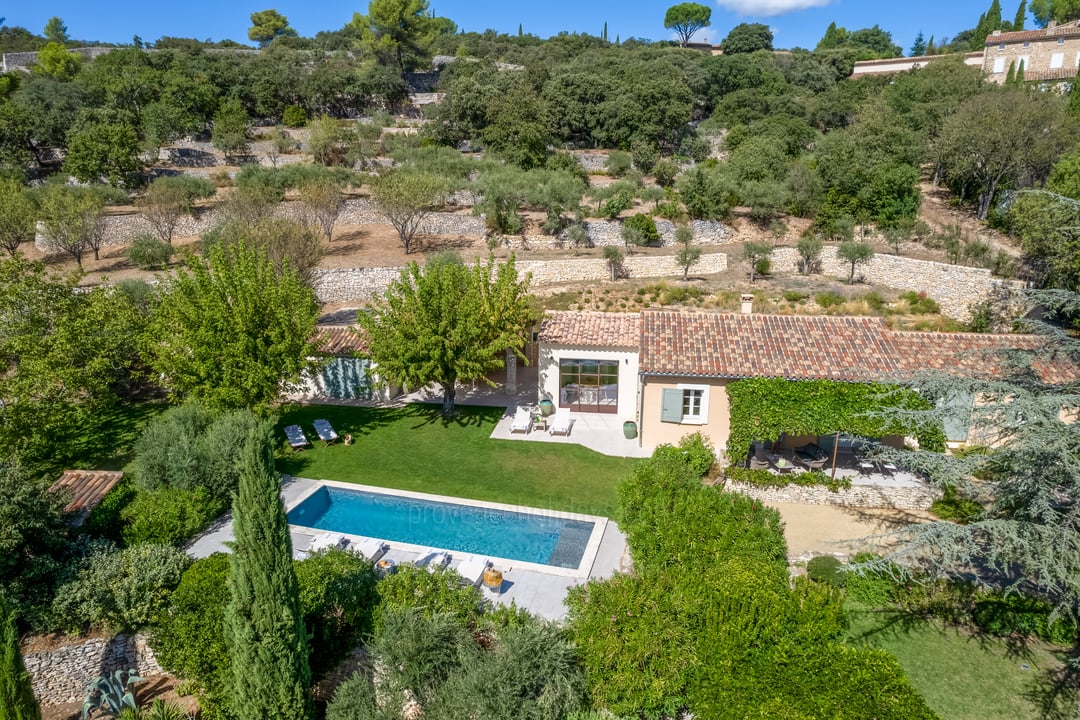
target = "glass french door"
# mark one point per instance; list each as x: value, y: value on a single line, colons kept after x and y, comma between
x: 589, y: 385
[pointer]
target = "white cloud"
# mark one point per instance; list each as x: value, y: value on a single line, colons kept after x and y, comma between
x: 769, y: 7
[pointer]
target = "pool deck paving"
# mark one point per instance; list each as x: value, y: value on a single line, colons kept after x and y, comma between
x: 538, y: 592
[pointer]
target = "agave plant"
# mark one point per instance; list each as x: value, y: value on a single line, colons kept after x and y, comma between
x: 111, y: 694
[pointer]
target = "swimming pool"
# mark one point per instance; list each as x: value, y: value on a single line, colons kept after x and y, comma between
x: 527, y: 535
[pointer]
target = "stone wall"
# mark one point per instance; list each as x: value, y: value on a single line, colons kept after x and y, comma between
x: 360, y: 284
x: 62, y: 674
x: 602, y: 233
x: 868, y: 496
x: 955, y: 287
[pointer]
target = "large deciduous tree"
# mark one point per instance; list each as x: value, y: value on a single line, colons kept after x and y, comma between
x: 18, y: 216
x: 264, y: 625
x: 267, y: 25
x: 1021, y: 134
x: 747, y: 38
x: 686, y: 19
x: 106, y: 149
x: 406, y: 197
x: 447, y: 322
x: 231, y: 330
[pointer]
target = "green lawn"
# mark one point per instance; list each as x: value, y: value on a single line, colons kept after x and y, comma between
x: 413, y: 448
x: 963, y: 676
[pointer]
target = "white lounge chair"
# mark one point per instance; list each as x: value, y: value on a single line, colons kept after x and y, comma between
x: 522, y: 421
x: 433, y: 559
x: 472, y: 569
x: 371, y: 548
x: 326, y: 541
x: 560, y: 422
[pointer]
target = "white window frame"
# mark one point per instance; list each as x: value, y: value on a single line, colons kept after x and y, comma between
x: 1057, y: 60
x: 999, y: 65
x: 703, y: 417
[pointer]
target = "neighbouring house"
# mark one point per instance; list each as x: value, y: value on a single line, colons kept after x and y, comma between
x: 891, y: 66
x: 671, y: 371
x: 85, y: 490
x: 1049, y: 54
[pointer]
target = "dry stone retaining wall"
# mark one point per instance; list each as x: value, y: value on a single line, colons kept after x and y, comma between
x: 360, y: 284
x: 955, y: 287
x: 868, y: 496
x: 62, y: 675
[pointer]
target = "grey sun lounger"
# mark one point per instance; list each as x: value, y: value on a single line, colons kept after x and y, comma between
x: 326, y: 432
x: 295, y: 435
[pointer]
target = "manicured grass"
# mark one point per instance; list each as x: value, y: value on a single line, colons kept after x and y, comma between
x: 963, y: 676
x: 108, y: 442
x: 414, y: 448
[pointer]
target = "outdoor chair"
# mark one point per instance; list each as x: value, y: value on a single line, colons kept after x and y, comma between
x: 522, y: 421
x: 371, y: 548
x: 433, y: 559
x: 326, y: 432
x: 327, y: 540
x: 560, y: 422
x: 295, y: 435
x: 811, y: 456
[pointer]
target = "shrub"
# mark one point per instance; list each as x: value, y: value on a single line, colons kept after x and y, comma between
x: 294, y: 117
x: 617, y: 203
x: 618, y: 163
x: 795, y: 295
x: 645, y: 225
x: 665, y: 171
x: 120, y: 589
x: 1018, y: 614
x: 106, y: 519
x: 877, y: 587
x: 149, y: 253
x: 829, y: 299
x: 189, y: 637
x: 695, y: 450
x: 169, y: 516
x: 762, y: 266
x: 921, y: 304
x: 430, y: 593
x: 952, y: 506
x: 337, y: 595
x: 354, y: 699
x: 875, y: 301
x: 825, y: 569
x: 645, y: 155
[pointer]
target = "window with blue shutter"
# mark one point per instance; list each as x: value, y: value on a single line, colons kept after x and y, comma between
x: 671, y: 406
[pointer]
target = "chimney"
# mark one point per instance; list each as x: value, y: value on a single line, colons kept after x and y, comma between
x: 746, y: 306
x: 1051, y: 24
x: 996, y: 33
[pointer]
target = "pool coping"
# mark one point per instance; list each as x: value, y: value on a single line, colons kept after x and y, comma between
x: 582, y: 571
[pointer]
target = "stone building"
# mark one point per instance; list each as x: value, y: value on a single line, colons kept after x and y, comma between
x: 1049, y: 54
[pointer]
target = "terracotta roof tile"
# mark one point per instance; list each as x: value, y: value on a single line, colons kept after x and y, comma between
x: 339, y: 340
x: 1071, y: 29
x: 87, y: 488
x: 591, y: 329
x: 974, y: 354
x: 791, y: 346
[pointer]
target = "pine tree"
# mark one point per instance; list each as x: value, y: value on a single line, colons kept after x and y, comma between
x: 264, y: 627
x: 930, y: 49
x: 16, y: 695
x: 918, y: 48
x: 1021, y: 16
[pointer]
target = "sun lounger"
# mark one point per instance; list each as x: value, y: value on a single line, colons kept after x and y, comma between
x: 326, y: 431
x: 297, y: 439
x: 472, y: 569
x: 433, y: 559
x: 560, y: 422
x: 327, y: 540
x: 371, y: 548
x: 522, y: 421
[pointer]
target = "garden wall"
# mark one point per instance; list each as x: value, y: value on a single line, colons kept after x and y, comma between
x: 62, y: 674
x: 360, y: 284
x: 955, y: 287
x: 868, y: 496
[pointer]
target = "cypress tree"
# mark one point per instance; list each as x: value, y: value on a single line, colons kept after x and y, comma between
x: 1010, y: 77
x: 930, y: 49
x: 1020, y: 73
x: 1073, y: 107
x: 519, y: 30
x: 605, y: 31
x: 264, y: 627
x: 1021, y: 16
x: 17, y: 700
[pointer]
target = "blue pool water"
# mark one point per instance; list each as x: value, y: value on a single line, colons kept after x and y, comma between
x: 449, y: 526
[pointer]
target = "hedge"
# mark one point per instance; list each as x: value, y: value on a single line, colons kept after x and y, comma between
x: 765, y: 408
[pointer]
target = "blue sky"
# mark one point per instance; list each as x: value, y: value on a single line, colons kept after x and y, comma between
x: 796, y: 23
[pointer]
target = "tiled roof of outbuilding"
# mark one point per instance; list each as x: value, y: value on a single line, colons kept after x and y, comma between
x: 86, y: 488
x: 591, y: 329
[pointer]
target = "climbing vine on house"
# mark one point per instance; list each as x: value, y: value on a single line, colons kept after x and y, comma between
x: 763, y: 408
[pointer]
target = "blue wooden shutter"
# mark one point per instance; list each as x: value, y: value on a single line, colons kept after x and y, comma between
x: 671, y: 406
x: 958, y: 416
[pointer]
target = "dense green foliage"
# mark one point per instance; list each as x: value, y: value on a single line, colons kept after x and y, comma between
x: 264, y: 625
x: 119, y: 589
x: 434, y: 593
x: 17, y: 700
x: 710, y: 622
x: 447, y: 322
x: 764, y: 408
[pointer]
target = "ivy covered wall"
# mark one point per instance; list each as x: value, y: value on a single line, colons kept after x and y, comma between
x: 763, y: 408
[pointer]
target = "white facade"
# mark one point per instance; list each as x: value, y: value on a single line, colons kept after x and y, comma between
x: 547, y: 383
